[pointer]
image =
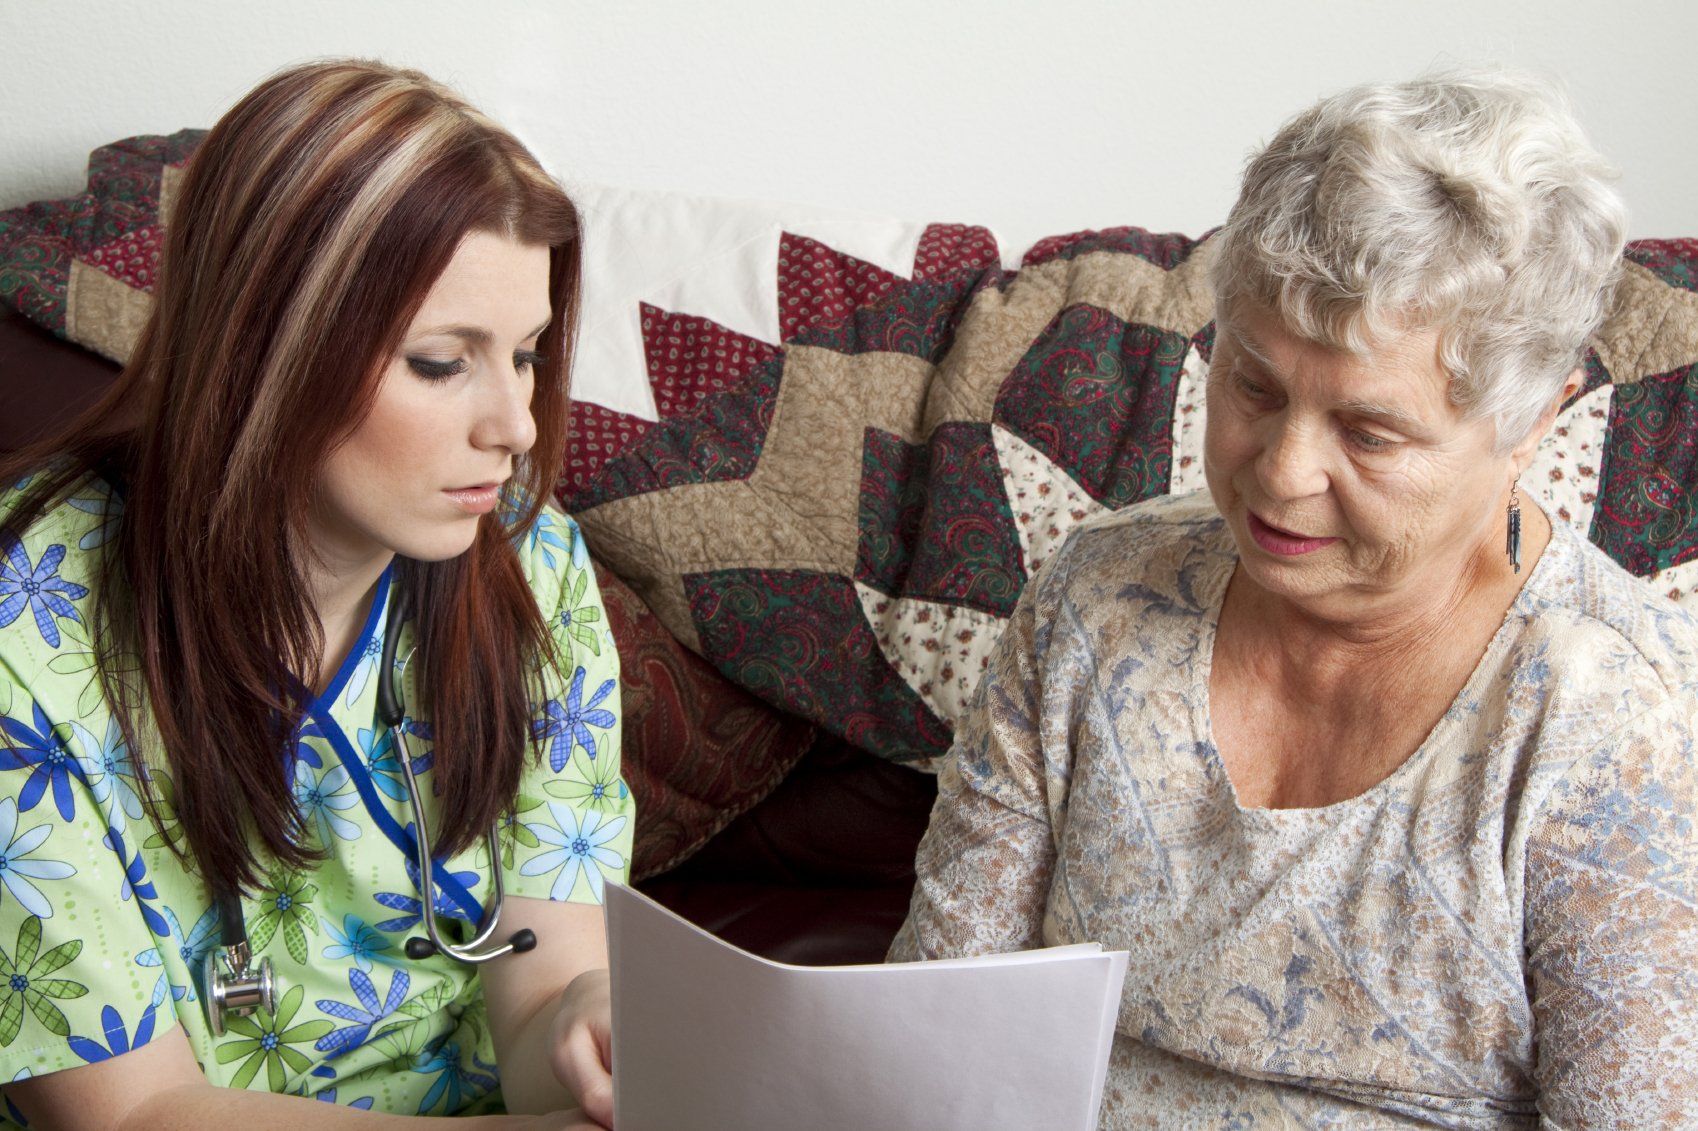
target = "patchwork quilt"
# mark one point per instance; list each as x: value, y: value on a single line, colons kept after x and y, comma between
x: 844, y: 521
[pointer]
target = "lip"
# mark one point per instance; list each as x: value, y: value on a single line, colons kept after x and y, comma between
x: 478, y: 499
x: 1284, y: 543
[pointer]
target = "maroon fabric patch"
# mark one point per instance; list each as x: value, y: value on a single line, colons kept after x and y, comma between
x: 950, y: 249
x: 131, y: 258
x: 1165, y: 249
x: 594, y: 436
x: 935, y: 521
x: 696, y: 749
x: 1647, y: 512
x: 799, y: 640
x: 1096, y: 395
x: 690, y: 359
x: 817, y: 284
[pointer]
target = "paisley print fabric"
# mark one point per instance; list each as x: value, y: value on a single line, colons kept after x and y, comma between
x: 1095, y: 394
x: 935, y: 522
x: 1501, y: 931
x: 799, y: 639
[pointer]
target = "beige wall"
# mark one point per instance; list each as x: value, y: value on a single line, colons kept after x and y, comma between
x: 1034, y: 117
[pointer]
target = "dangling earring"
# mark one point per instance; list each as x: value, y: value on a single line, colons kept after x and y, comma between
x: 1512, y: 544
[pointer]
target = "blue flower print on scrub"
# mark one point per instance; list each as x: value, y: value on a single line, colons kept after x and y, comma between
x: 321, y: 801
x: 411, y: 906
x: 570, y: 724
x: 357, y: 940
x: 364, y: 1015
x: 548, y: 533
x: 455, y: 1085
x: 370, y: 657
x: 109, y: 770
x: 191, y: 946
x: 383, y: 762
x: 45, y: 755
x: 118, y: 1041
x: 136, y: 882
x: 38, y: 588
x: 578, y: 847
x: 19, y: 865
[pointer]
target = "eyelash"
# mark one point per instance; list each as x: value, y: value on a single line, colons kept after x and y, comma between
x: 1249, y: 388
x: 1368, y: 442
x: 1365, y: 441
x: 442, y: 370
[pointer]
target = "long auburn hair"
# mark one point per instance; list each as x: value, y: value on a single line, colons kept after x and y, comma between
x: 312, y: 222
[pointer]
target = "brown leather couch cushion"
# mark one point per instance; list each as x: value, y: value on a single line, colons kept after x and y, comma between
x: 44, y: 381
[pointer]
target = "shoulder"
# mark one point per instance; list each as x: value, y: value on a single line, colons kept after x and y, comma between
x: 47, y: 572
x: 1592, y: 620
x: 1602, y: 678
x: 551, y: 551
x: 80, y: 519
x: 1164, y: 546
x: 557, y: 566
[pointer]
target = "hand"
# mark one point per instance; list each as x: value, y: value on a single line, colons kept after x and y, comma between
x: 581, y: 1043
x: 572, y: 1119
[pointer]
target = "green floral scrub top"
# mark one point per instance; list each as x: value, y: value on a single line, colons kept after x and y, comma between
x: 103, y: 930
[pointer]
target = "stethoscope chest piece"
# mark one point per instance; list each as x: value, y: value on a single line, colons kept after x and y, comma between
x: 234, y: 986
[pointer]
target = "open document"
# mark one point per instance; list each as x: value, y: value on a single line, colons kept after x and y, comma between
x: 707, y: 1037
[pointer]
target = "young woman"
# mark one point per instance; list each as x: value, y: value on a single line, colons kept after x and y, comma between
x: 286, y: 611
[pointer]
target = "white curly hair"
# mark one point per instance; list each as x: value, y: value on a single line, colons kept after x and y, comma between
x: 1466, y: 201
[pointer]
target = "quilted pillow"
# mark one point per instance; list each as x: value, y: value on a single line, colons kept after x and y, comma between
x: 83, y: 267
x: 846, y: 531
x: 697, y: 750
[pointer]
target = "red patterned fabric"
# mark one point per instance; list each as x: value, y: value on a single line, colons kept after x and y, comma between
x: 697, y: 749
x: 947, y: 249
x: 597, y: 434
x: 690, y: 358
x: 818, y: 285
x: 131, y: 257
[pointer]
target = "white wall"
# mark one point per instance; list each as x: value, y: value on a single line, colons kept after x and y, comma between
x: 1034, y: 117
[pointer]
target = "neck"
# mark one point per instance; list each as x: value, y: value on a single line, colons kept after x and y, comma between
x: 341, y: 594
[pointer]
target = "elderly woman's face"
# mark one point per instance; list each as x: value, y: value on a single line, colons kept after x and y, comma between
x: 1349, y: 483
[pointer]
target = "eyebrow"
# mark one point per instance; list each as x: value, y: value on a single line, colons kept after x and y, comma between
x: 1403, y: 421
x: 476, y: 335
x: 1406, y: 422
x: 1250, y: 346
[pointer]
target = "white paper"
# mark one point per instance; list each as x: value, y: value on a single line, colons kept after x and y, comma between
x: 707, y: 1037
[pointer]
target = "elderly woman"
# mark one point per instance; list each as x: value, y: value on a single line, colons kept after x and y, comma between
x: 1386, y: 783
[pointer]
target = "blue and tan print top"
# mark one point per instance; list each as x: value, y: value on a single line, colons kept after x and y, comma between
x: 103, y: 930
x: 1503, y: 931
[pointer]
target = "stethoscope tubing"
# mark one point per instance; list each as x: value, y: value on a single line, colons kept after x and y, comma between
x: 246, y: 988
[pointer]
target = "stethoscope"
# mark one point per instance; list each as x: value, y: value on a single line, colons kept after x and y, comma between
x: 236, y: 987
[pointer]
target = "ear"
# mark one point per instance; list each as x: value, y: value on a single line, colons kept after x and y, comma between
x: 1524, y: 451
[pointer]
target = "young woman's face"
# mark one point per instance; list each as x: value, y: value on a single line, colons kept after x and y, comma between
x: 452, y: 414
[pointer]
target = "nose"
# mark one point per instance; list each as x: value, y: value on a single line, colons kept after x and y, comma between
x: 1292, y: 464
x: 504, y: 421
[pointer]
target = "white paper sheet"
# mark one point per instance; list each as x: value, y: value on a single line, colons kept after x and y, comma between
x: 707, y: 1037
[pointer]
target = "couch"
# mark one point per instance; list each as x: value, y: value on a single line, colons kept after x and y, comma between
x: 815, y: 480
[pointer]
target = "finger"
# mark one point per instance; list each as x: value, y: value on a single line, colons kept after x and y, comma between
x: 580, y: 1066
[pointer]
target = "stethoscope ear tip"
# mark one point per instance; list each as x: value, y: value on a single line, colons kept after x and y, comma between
x: 419, y: 949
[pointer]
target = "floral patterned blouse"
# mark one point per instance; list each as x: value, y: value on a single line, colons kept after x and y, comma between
x: 1502, y: 933
x: 103, y: 930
